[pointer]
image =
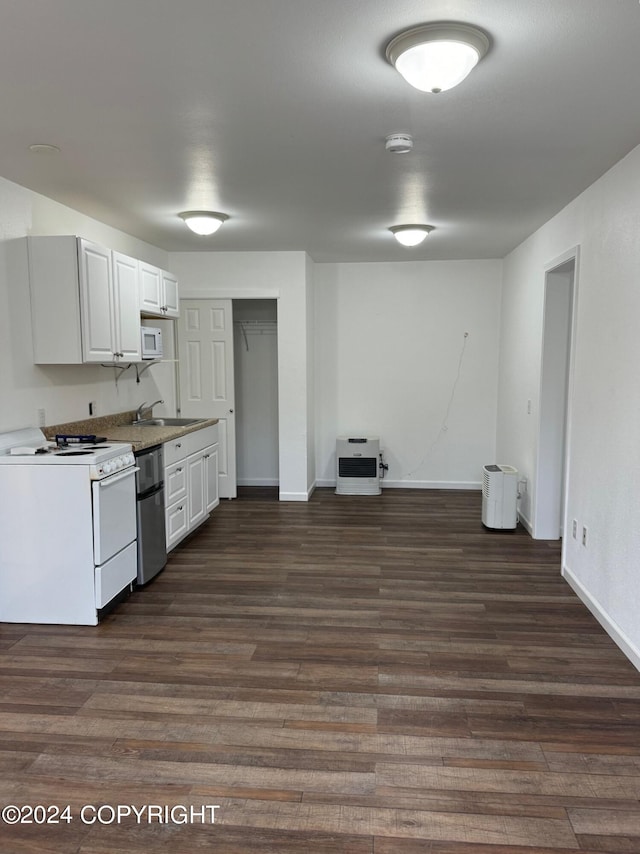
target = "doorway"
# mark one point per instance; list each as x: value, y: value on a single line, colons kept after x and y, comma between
x: 255, y: 335
x: 555, y: 384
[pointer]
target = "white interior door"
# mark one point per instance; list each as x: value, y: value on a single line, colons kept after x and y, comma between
x: 205, y: 352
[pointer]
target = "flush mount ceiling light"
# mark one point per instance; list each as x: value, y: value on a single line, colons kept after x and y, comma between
x: 203, y: 222
x: 43, y: 148
x: 410, y: 235
x: 436, y: 57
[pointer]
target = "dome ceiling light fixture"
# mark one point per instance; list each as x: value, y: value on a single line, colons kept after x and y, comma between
x: 411, y: 235
x: 436, y: 57
x: 203, y: 222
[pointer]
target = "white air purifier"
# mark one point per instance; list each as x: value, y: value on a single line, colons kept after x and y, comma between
x: 499, y: 497
x: 357, y: 466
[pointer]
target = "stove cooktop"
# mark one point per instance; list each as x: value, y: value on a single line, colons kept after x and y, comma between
x: 30, y: 447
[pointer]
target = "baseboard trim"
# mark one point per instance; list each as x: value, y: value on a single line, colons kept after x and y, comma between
x: 258, y: 481
x: 525, y: 522
x: 296, y: 496
x: 418, y: 484
x: 610, y: 626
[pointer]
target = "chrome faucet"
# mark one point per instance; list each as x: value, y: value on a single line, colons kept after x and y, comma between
x: 142, y: 406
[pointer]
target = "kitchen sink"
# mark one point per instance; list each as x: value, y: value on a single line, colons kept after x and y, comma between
x: 167, y: 422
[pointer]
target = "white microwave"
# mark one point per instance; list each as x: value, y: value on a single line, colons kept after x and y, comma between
x: 151, y: 342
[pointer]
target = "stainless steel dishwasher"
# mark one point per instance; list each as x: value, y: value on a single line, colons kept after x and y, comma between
x: 152, y: 543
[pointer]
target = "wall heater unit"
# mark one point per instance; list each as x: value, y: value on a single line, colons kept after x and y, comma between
x: 358, y: 466
x: 499, y: 497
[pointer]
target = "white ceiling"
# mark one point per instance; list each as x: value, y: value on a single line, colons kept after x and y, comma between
x: 276, y: 111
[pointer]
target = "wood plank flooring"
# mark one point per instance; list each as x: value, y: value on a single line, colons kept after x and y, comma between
x: 355, y: 675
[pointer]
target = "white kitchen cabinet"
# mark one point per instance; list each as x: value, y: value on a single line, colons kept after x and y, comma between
x: 211, y: 477
x: 126, y: 307
x: 196, y: 489
x: 191, y: 482
x: 84, y: 302
x: 176, y: 523
x: 175, y: 482
x: 108, y: 304
x: 158, y: 292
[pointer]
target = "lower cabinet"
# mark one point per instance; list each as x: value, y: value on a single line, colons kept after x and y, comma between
x: 190, y: 482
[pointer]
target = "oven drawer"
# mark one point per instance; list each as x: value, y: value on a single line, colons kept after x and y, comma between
x: 114, y: 575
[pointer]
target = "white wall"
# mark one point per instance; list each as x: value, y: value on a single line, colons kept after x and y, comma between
x: 392, y: 361
x: 62, y: 391
x: 265, y: 275
x: 604, y: 413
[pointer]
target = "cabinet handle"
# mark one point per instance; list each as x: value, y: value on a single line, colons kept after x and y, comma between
x: 178, y: 444
x: 180, y: 508
x: 180, y: 469
x: 206, y: 456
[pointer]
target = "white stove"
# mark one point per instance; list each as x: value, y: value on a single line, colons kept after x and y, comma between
x: 30, y: 447
x: 67, y: 528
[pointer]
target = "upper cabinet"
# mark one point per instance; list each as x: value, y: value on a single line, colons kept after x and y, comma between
x: 85, y: 301
x: 110, y: 320
x: 158, y: 292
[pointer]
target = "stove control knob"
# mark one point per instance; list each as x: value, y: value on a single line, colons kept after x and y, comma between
x: 106, y: 468
x: 118, y: 462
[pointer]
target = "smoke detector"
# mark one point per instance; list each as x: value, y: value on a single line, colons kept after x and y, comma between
x: 399, y: 143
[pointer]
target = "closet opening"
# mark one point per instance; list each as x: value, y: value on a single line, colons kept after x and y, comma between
x: 255, y: 344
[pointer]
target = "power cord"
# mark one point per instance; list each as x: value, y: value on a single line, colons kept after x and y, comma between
x: 444, y: 426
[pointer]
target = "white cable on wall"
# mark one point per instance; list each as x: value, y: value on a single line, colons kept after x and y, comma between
x: 444, y: 426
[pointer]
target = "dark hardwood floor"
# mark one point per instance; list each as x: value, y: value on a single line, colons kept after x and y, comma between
x: 351, y: 675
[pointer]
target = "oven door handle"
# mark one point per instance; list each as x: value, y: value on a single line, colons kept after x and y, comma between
x: 114, y: 478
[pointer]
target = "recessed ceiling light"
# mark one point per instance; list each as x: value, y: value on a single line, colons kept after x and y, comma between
x: 411, y: 235
x: 436, y: 57
x: 44, y: 148
x: 203, y: 222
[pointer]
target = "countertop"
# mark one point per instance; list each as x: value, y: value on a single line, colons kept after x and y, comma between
x: 118, y: 428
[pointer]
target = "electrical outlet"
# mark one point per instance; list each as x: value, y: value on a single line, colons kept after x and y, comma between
x: 574, y: 529
x: 93, y: 408
x: 584, y: 535
x: 42, y: 418
x: 528, y: 407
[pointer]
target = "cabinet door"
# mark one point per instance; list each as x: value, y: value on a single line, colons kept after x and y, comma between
x: 211, y: 477
x: 170, y: 292
x: 150, y: 290
x: 196, y: 489
x: 176, y: 523
x: 126, y: 307
x: 175, y: 482
x: 96, y: 302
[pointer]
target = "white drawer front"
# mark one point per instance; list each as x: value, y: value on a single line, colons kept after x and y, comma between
x: 114, y: 575
x: 175, y: 482
x: 190, y: 443
x: 176, y: 523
